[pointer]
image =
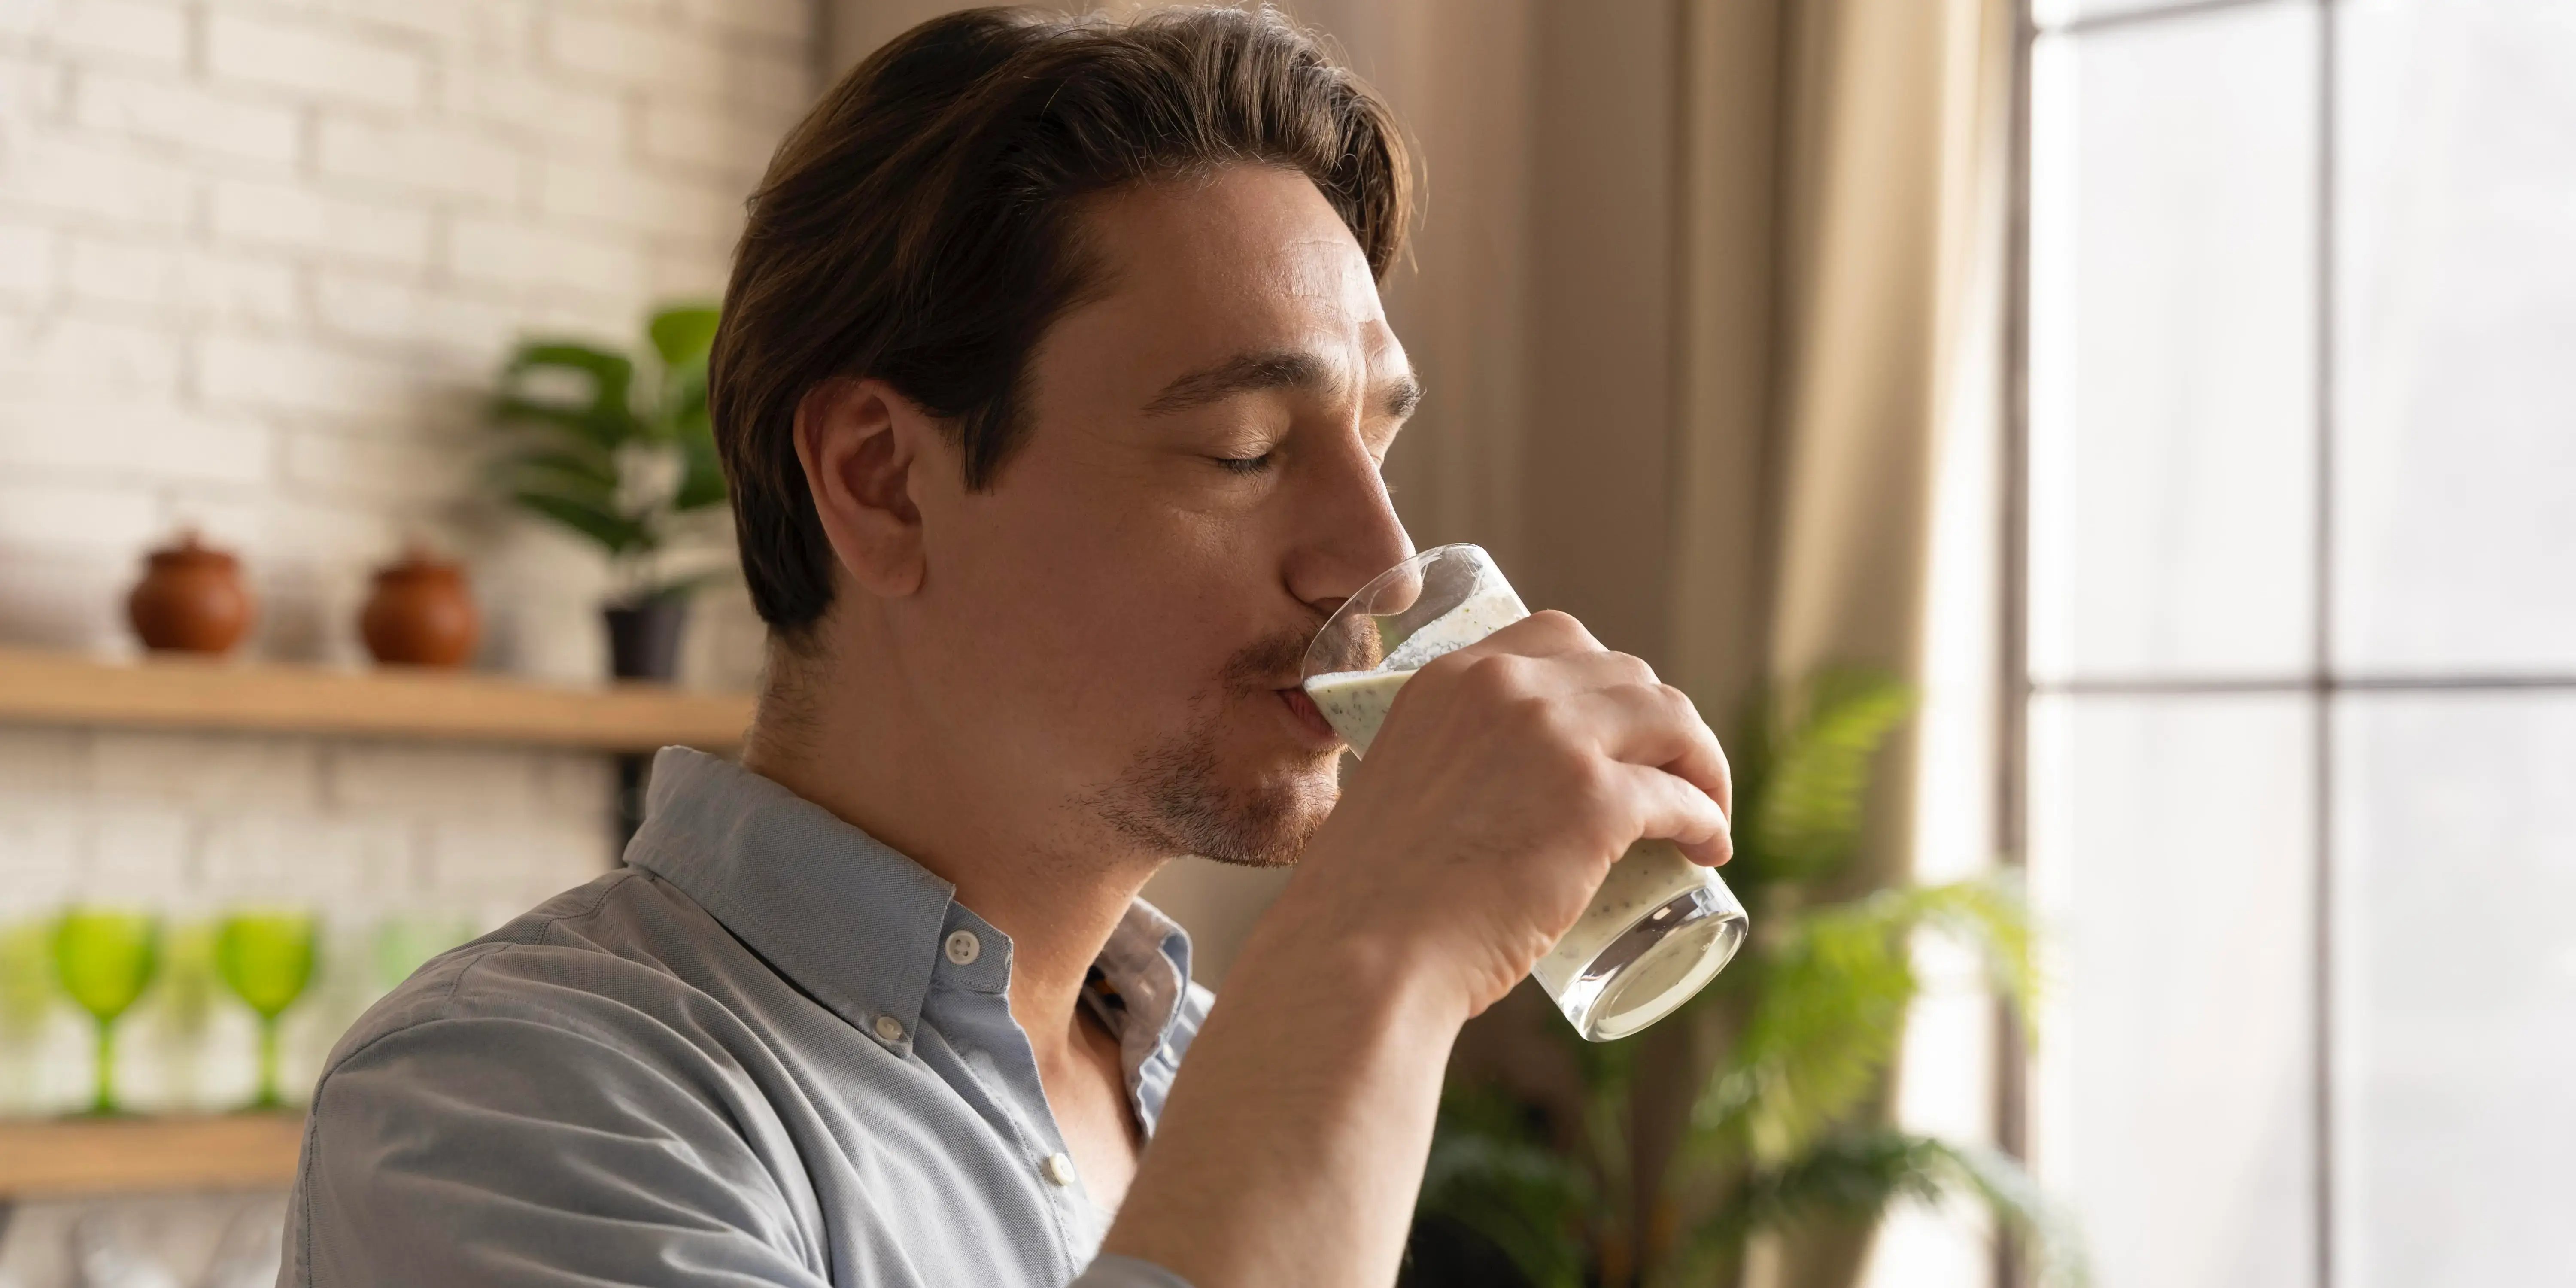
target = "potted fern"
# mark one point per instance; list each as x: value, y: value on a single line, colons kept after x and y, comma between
x: 622, y: 455
x: 1550, y: 1183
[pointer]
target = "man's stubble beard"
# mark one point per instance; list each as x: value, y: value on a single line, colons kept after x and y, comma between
x: 1172, y: 799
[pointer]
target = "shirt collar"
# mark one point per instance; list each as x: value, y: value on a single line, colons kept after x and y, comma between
x: 850, y: 921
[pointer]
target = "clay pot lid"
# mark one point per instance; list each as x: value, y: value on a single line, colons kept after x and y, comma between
x: 189, y: 551
x: 418, y: 562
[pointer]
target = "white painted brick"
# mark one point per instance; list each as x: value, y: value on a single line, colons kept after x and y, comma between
x: 686, y: 275
x: 576, y: 785
x: 257, y: 371
x: 485, y: 782
x: 226, y: 770
x: 633, y: 53
x: 40, y: 855
x: 178, y: 113
x: 86, y: 356
x: 530, y: 103
x: 362, y: 466
x: 420, y: 157
x: 271, y: 214
x: 527, y: 863
x: 281, y: 535
x: 776, y: 85
x: 263, y: 856
x: 99, y: 179
x: 327, y: 64
x: 789, y: 21
x: 41, y: 765
x: 629, y: 198
x: 144, y: 32
x: 370, y: 308
x: 26, y: 261
x: 51, y: 514
x: 690, y: 134
x: 181, y: 281
x: 32, y: 90
x: 509, y: 253
x: 135, y: 438
x: 139, y: 853
x: 66, y: 597
x: 24, y: 18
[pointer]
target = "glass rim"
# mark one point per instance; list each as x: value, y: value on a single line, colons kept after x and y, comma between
x: 1361, y: 601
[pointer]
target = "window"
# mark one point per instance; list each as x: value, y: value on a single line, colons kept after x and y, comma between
x: 2300, y: 644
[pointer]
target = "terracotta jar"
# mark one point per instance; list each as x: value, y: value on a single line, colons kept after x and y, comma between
x: 421, y: 613
x: 191, y: 599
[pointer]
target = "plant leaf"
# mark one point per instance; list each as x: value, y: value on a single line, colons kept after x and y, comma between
x: 574, y: 462
x: 1491, y: 1170
x: 618, y: 533
x: 1805, y: 819
x: 606, y: 415
x: 1856, y: 1175
x: 702, y: 480
x: 684, y: 333
x: 587, y: 426
x: 1833, y: 1008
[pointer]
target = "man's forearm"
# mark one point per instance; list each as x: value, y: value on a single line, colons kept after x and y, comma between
x: 1292, y: 1145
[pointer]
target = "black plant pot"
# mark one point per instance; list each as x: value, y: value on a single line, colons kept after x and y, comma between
x: 644, y: 638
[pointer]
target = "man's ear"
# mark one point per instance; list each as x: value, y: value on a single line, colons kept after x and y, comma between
x: 862, y: 445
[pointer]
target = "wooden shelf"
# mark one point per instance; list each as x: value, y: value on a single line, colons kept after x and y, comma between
x: 72, y: 1157
x: 191, y: 693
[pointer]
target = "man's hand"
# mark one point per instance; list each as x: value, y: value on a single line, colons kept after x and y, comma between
x: 1508, y: 778
x: 1510, y: 774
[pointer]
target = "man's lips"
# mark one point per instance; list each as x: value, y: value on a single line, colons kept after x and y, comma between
x: 1308, y: 715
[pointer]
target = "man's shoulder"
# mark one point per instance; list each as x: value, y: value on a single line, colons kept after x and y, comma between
x: 603, y: 960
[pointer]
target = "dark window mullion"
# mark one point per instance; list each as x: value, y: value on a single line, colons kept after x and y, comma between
x: 2323, y: 769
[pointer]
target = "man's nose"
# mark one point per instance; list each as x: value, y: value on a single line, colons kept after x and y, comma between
x: 1352, y: 533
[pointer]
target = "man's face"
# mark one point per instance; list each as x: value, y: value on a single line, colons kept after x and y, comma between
x: 1123, y: 614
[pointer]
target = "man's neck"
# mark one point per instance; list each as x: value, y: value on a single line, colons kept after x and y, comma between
x: 856, y: 749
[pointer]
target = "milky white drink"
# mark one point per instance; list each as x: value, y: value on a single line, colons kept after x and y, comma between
x: 1649, y: 877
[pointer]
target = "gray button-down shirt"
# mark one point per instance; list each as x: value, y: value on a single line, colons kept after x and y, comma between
x: 768, y: 1051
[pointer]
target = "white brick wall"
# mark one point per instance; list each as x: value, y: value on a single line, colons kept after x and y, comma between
x: 258, y: 260
x: 254, y: 254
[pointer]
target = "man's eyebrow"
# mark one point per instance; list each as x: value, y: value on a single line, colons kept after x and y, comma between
x: 1283, y: 369
x: 1401, y: 396
x: 1243, y: 373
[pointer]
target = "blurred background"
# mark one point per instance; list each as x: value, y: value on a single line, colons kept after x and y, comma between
x: 2105, y: 461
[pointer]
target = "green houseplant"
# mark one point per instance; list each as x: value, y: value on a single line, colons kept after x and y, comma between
x: 623, y: 455
x: 1783, y: 1059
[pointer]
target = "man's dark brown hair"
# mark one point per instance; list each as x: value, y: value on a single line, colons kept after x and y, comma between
x: 920, y: 226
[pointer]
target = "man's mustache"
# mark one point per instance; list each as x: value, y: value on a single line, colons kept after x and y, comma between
x: 1259, y: 665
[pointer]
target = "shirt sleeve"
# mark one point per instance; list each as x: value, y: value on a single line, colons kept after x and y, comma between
x: 514, y: 1152
x: 1127, y: 1272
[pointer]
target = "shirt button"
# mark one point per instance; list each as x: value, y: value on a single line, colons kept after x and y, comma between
x: 889, y: 1028
x: 964, y: 948
x: 1057, y: 1169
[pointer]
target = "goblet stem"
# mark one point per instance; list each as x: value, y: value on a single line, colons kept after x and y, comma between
x: 105, y: 1103
x: 268, y: 1094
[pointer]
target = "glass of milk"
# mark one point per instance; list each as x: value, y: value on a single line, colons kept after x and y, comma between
x: 1660, y: 927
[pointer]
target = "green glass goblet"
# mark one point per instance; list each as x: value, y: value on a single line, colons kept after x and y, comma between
x: 267, y: 959
x: 104, y: 960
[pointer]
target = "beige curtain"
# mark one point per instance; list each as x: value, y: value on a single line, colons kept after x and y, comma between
x: 1843, y: 177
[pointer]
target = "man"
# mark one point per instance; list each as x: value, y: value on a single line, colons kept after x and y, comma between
x: 1053, y: 386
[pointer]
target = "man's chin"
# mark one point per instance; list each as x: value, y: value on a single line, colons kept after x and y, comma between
x: 1179, y: 800
x: 1268, y: 826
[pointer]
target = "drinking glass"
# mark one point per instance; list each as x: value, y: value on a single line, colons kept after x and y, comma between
x: 104, y: 960
x: 1660, y: 927
x: 267, y: 958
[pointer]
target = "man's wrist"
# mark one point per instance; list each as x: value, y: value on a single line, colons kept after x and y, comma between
x: 1374, y: 967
